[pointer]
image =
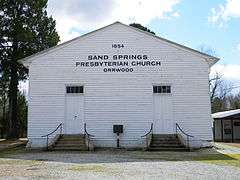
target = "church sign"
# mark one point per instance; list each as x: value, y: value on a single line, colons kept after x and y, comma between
x: 118, y: 63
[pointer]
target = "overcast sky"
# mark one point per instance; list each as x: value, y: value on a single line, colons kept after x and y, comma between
x: 214, y: 24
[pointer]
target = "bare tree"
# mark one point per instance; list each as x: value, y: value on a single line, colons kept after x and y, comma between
x: 225, y: 89
x: 220, y: 91
x: 214, y: 84
x: 207, y: 50
x: 234, y: 101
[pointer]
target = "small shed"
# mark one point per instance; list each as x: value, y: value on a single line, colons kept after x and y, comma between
x: 226, y: 126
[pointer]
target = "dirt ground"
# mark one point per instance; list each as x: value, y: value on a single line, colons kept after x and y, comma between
x: 9, y: 144
x: 118, y: 164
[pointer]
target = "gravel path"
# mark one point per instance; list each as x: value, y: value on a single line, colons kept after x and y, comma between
x: 110, y: 165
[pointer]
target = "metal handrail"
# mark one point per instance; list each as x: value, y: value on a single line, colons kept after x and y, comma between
x: 178, y: 127
x: 148, y: 139
x: 88, y: 135
x: 188, y: 136
x: 148, y: 131
x: 47, y: 135
x: 85, y: 131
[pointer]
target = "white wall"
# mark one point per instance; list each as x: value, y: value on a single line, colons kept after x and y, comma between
x: 119, y: 98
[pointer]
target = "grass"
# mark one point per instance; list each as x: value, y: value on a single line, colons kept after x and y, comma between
x: 12, y: 151
x: 6, y: 157
x: 204, y: 156
x: 211, y: 157
x: 18, y: 162
x: 221, y: 159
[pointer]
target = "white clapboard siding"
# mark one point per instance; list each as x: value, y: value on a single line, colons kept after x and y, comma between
x: 119, y: 98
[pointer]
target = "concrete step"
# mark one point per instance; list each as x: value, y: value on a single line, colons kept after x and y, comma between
x: 70, y: 148
x: 74, y: 142
x: 69, y: 138
x: 70, y: 142
x: 72, y: 135
x: 164, y: 135
x: 165, y: 141
x: 170, y: 144
x: 165, y: 138
x: 69, y: 145
x: 167, y: 149
x: 167, y: 146
x: 74, y: 139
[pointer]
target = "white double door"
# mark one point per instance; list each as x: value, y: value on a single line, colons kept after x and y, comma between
x: 163, y: 114
x: 74, y: 114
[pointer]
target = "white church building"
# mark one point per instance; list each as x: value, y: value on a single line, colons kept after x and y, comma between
x: 119, y: 86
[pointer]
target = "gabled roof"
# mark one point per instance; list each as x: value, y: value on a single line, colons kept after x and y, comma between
x: 210, y: 59
x: 225, y: 114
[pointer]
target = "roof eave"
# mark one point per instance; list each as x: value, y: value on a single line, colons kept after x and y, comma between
x: 210, y: 59
x: 213, y: 60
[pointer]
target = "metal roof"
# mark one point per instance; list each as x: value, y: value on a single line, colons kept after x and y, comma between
x: 225, y: 114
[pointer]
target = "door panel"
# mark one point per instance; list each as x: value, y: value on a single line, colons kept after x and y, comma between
x: 236, y: 130
x: 227, y: 130
x: 163, y: 118
x: 74, y: 114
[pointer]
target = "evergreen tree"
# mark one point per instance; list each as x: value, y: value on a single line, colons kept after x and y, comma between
x: 3, y: 104
x: 22, y: 113
x: 139, y: 26
x: 25, y: 29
